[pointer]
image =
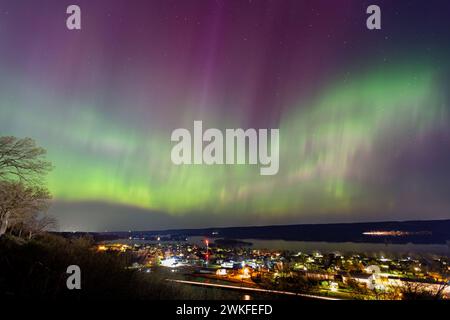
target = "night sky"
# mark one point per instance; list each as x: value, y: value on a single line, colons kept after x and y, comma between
x: 364, y: 116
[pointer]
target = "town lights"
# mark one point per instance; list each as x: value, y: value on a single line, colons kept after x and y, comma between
x: 207, y: 250
x: 334, y: 286
x: 245, y: 273
x: 170, y: 262
x: 221, y: 272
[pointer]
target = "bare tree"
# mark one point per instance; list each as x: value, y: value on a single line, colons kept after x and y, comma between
x: 35, y: 223
x: 422, y: 291
x: 22, y: 195
x: 18, y: 201
x: 23, y: 160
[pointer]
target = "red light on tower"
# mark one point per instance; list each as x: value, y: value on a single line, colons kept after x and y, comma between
x: 207, y: 250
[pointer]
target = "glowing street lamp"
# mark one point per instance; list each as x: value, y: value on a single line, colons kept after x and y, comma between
x: 207, y: 251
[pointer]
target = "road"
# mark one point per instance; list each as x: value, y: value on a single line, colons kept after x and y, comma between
x: 225, y: 286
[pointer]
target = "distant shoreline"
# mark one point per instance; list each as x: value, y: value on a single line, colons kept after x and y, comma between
x: 416, y: 232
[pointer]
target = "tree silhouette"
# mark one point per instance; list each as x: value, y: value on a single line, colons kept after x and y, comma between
x: 22, y: 191
x: 23, y: 160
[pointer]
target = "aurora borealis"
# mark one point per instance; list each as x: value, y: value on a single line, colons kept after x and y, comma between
x: 363, y: 115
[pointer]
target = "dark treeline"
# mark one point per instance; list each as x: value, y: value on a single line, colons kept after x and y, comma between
x: 36, y: 268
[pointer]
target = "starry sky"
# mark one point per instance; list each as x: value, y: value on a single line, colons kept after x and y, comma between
x: 363, y: 115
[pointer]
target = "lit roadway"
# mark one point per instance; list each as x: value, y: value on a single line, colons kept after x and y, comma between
x: 224, y: 286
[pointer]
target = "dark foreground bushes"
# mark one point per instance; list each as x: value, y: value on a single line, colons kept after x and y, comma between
x: 37, y: 269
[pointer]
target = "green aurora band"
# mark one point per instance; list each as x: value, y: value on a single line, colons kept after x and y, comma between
x: 334, y: 148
